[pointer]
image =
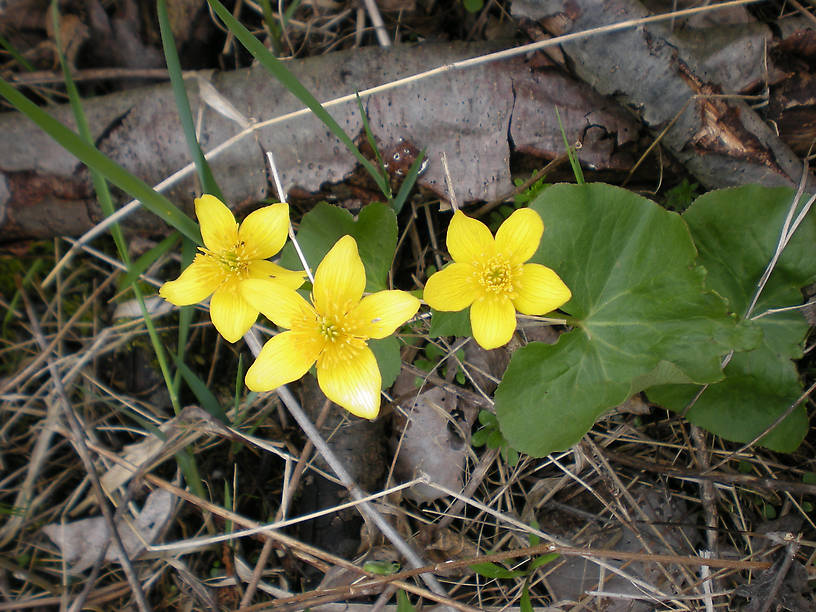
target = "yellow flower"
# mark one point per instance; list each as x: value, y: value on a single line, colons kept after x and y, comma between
x: 490, y: 276
x: 232, y: 254
x: 331, y: 331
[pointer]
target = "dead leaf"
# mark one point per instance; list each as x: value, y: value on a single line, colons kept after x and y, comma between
x: 790, y: 595
x: 81, y: 541
x: 432, y: 444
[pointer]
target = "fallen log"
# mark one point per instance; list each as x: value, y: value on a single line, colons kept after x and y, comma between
x: 476, y: 116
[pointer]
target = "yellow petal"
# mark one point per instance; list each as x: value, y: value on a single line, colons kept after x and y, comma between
x: 264, y: 231
x: 281, y: 360
x: 519, y: 235
x: 281, y: 305
x: 268, y: 270
x: 218, y: 227
x: 379, y: 315
x: 468, y: 239
x: 539, y: 290
x: 452, y: 288
x: 340, y: 279
x: 351, y: 380
x: 195, y: 284
x: 493, y: 321
x: 230, y: 313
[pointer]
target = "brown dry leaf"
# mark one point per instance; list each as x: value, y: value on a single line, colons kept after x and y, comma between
x: 432, y: 444
x: 181, y: 14
x: 73, y: 33
x: 790, y: 595
x: 486, y: 367
x: 570, y: 577
x: 81, y: 541
x: 446, y: 544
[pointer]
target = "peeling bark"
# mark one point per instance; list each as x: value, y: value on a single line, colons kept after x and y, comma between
x: 667, y: 84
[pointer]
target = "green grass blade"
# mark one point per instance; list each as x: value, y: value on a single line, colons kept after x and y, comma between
x: 205, y: 397
x: 408, y: 184
x: 96, y: 160
x: 185, y: 316
x: 272, y: 27
x: 372, y: 142
x: 404, y: 602
x: 288, y: 80
x: 208, y: 182
x: 15, y: 54
x: 146, y: 260
x: 171, y: 57
x: 239, y: 385
x: 573, y: 157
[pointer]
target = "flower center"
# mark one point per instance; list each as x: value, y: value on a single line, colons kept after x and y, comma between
x: 233, y: 263
x: 329, y: 329
x: 338, y: 330
x: 496, y: 275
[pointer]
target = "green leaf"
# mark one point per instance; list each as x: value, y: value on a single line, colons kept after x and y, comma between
x: 208, y: 183
x: 495, y: 439
x: 424, y: 364
x: 491, y: 570
x: 473, y: 6
x: 375, y: 231
x: 403, y: 602
x: 736, y: 232
x: 433, y: 352
x: 381, y: 568
x: 479, y: 438
x: 510, y: 456
x: 205, y: 397
x: 641, y: 316
x: 387, y: 352
x: 770, y: 512
x: 543, y: 560
x: 450, y: 323
x: 525, y: 605
x: 487, y: 418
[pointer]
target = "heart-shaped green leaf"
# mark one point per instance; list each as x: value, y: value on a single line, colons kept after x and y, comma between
x: 642, y: 316
x: 375, y: 231
x: 736, y: 232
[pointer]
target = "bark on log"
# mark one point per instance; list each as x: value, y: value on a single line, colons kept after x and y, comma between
x: 658, y: 76
x: 473, y: 115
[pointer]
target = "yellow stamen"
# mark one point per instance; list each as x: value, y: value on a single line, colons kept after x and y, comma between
x: 328, y: 329
x: 496, y: 275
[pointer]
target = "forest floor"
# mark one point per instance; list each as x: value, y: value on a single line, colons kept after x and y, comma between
x: 623, y: 520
